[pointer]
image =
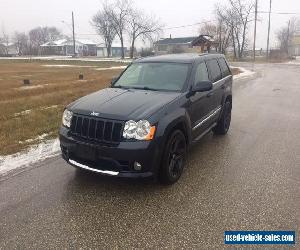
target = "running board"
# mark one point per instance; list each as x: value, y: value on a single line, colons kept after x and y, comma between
x: 205, y: 132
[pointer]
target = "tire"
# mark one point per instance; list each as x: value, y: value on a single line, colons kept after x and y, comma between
x: 173, y: 159
x: 224, y: 122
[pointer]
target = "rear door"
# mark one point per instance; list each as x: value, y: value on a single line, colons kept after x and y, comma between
x: 226, y: 73
x: 200, y: 102
x: 216, y: 94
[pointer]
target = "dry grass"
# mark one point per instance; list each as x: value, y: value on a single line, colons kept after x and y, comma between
x: 53, y: 89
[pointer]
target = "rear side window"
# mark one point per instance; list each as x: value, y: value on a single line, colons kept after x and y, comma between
x: 214, y: 70
x: 224, y: 67
x: 201, y: 73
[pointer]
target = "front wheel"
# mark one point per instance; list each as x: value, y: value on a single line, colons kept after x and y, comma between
x: 173, y: 158
x: 224, y: 122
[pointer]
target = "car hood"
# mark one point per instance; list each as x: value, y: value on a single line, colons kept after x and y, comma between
x: 123, y: 104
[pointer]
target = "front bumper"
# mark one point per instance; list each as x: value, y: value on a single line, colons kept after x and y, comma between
x: 117, y: 160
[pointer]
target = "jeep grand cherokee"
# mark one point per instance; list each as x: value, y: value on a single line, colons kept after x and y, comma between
x: 144, y: 123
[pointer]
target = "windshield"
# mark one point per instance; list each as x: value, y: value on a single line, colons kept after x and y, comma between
x: 154, y: 76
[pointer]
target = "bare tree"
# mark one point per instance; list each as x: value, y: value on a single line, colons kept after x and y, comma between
x: 236, y: 16
x: 210, y: 29
x: 119, y: 13
x: 41, y: 35
x: 21, y: 42
x: 219, y: 31
x: 52, y: 33
x: 4, y: 39
x: 286, y: 34
x: 104, y: 27
x: 140, y: 25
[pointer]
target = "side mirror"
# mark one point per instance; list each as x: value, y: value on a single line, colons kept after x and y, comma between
x: 113, y: 80
x: 202, y: 86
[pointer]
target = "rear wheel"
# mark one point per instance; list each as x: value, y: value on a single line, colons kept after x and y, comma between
x: 224, y: 123
x: 173, y: 158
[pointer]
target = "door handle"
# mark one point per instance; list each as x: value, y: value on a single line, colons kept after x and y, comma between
x: 210, y: 94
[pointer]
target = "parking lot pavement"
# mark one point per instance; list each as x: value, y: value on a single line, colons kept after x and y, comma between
x: 247, y: 180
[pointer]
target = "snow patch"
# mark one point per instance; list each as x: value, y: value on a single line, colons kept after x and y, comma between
x: 25, y: 112
x: 295, y: 62
x: 69, y: 58
x: 38, y: 138
x: 245, y: 73
x: 28, y: 111
x: 68, y: 66
x: 49, y: 107
x: 32, y: 87
x: 111, y: 68
x: 25, y: 159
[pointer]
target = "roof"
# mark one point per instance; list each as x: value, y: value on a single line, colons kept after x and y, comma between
x: 86, y: 41
x: 7, y: 44
x: 186, y: 40
x: 55, y: 43
x: 179, y: 40
x: 63, y: 42
x: 181, y: 58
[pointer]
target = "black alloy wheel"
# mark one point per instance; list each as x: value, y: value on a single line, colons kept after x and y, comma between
x: 225, y: 120
x: 173, y: 158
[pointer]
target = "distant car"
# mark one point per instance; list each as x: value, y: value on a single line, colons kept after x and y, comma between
x: 144, y: 123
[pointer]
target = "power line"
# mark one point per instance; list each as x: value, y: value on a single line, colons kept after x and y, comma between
x: 210, y: 21
x: 168, y: 28
x: 279, y: 13
x: 188, y: 25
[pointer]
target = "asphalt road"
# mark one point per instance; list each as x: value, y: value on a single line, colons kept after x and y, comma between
x: 247, y: 180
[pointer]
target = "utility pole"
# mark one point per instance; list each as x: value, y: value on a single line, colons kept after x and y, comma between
x: 288, y: 37
x: 73, y: 27
x: 220, y: 36
x: 269, y: 27
x: 254, y: 42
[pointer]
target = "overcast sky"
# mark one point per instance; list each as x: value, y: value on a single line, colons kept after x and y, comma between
x: 22, y: 15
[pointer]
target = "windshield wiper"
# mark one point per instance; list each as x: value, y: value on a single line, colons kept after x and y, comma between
x: 117, y: 86
x: 144, y: 88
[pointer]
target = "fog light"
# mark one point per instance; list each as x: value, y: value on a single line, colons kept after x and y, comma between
x: 137, y: 166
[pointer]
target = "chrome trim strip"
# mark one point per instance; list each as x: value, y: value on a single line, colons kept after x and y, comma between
x: 207, y: 118
x: 222, y: 79
x: 92, y: 169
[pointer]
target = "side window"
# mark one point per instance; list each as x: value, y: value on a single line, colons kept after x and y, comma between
x: 214, y: 70
x: 201, y: 73
x: 224, y: 67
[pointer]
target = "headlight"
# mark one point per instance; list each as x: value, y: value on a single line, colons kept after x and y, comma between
x: 141, y: 130
x: 67, y: 117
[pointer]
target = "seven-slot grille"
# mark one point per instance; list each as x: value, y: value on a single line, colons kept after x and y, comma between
x: 101, y: 130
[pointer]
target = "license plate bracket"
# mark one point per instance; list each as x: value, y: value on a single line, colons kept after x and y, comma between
x: 86, y: 153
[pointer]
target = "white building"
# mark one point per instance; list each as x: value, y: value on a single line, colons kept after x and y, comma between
x: 65, y: 47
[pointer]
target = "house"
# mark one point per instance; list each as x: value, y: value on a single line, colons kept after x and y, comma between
x: 116, y: 51
x: 8, y: 49
x: 65, y: 47
x: 294, y: 48
x: 199, y: 44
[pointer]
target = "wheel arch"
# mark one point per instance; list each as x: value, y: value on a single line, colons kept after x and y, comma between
x: 181, y: 124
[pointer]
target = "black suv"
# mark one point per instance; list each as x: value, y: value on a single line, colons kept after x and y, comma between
x: 144, y: 123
